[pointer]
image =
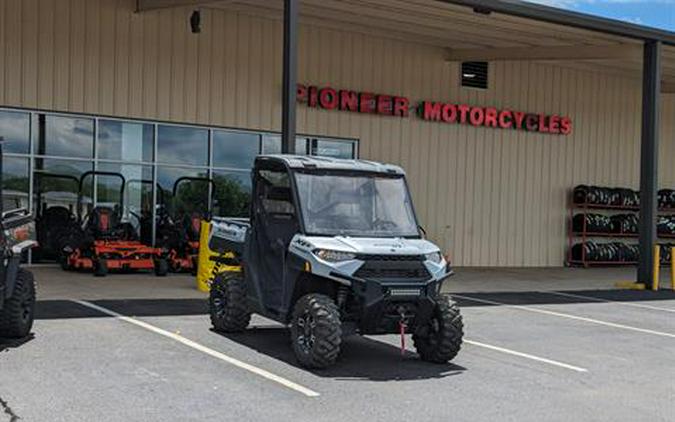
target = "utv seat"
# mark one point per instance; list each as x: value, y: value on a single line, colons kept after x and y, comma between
x: 192, y: 225
x: 281, y: 223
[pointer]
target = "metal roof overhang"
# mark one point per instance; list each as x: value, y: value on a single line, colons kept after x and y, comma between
x: 469, y: 30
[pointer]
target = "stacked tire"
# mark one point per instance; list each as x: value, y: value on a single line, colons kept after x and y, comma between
x: 596, y: 195
x: 605, y: 252
x: 593, y: 223
x: 624, y: 224
x: 665, y: 225
x: 666, y: 255
x: 666, y: 198
x: 599, y: 223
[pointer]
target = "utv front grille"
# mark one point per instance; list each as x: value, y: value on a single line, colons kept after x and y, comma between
x: 394, y: 270
x: 367, y: 257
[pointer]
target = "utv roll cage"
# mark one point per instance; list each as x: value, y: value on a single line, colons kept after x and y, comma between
x: 295, y: 164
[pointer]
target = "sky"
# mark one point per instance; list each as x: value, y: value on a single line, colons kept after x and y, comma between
x: 654, y: 13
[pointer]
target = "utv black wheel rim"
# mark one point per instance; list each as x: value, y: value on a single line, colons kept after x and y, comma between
x: 305, y: 326
x: 219, y: 303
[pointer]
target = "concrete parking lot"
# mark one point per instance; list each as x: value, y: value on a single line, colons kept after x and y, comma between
x: 554, y: 345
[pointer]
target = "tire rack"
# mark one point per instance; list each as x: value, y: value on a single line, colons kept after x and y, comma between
x: 584, y: 235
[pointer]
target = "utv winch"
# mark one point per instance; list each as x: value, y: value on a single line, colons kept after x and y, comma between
x: 17, y: 287
x: 333, y: 248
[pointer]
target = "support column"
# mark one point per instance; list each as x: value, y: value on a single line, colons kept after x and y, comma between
x: 649, y: 153
x: 290, y: 76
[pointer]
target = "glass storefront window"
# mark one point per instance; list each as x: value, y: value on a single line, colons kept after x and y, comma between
x: 125, y: 141
x: 62, y: 148
x: 137, y: 195
x: 272, y: 145
x: 334, y: 149
x: 232, y: 193
x: 15, y: 183
x: 191, y: 189
x: 67, y: 137
x: 182, y: 145
x: 301, y: 146
x: 15, y: 129
x: 234, y: 149
x: 56, y: 184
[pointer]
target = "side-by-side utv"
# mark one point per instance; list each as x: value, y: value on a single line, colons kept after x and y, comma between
x: 108, y: 241
x: 333, y: 248
x: 17, y: 287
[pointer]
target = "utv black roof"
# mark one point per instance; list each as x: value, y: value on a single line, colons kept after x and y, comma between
x: 327, y: 163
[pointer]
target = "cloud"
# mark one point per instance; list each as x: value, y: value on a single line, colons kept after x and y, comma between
x: 632, y: 19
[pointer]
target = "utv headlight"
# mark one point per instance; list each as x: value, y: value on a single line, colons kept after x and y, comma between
x: 434, y: 257
x: 333, y: 256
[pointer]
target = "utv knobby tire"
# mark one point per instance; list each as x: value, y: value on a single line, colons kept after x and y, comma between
x: 100, y: 268
x: 324, y: 315
x: 16, y: 317
x: 440, y: 340
x: 227, y: 303
x: 161, y: 267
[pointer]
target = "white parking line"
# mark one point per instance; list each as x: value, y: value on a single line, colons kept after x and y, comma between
x: 569, y: 316
x: 615, y: 302
x: 218, y: 355
x: 526, y: 356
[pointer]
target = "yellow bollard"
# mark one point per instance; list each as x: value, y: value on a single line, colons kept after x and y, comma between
x: 657, y: 267
x: 672, y: 267
x: 205, y: 264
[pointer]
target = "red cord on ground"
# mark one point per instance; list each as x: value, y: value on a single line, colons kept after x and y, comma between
x: 402, y: 328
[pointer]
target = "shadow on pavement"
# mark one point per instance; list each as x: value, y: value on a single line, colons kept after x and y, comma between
x: 60, y: 309
x: 8, y: 344
x: 361, y: 358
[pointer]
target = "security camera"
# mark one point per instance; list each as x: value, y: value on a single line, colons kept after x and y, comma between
x: 196, y: 22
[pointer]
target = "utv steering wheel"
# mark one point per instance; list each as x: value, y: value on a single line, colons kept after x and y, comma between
x: 384, y: 225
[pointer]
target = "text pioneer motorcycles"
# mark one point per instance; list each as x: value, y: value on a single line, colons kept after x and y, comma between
x: 391, y: 105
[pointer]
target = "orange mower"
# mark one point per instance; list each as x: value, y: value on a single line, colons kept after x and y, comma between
x: 108, y: 242
x: 180, y: 235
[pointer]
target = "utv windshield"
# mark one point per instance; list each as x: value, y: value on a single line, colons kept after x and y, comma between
x: 356, y: 205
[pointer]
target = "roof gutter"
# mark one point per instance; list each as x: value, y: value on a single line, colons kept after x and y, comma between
x: 567, y: 18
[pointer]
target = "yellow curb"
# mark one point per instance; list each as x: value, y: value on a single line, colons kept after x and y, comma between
x: 630, y: 285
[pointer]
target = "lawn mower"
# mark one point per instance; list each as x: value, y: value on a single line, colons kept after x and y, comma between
x: 17, y: 287
x: 144, y: 215
x: 333, y: 248
x: 108, y: 241
x: 56, y: 221
x: 181, y: 234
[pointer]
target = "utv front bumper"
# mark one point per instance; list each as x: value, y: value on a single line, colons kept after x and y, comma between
x: 381, y: 305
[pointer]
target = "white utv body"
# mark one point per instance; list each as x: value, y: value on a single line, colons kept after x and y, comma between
x: 332, y: 248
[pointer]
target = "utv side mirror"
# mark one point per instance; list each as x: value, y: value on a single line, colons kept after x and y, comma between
x: 424, y: 232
